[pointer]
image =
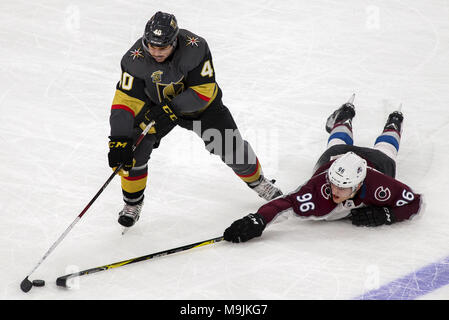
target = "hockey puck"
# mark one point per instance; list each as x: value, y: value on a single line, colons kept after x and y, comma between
x: 38, y: 283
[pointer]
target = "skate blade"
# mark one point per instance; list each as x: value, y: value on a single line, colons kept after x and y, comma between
x: 125, y: 229
x: 351, y: 99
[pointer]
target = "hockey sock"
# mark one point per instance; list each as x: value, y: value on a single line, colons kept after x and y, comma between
x: 340, y: 134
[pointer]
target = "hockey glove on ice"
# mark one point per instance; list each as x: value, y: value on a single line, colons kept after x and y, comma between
x: 245, y: 229
x: 164, y: 117
x: 120, y: 151
x: 372, y: 216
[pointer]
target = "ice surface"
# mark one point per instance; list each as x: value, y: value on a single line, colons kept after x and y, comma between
x: 283, y: 67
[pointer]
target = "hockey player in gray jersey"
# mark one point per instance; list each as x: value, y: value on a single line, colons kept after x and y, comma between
x: 168, y: 76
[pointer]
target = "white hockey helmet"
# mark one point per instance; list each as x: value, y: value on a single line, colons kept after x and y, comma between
x: 348, y: 171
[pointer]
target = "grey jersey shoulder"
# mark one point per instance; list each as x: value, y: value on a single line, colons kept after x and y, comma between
x: 192, y: 50
x: 133, y: 61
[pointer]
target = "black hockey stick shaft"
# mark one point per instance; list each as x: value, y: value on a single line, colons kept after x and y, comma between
x: 62, y: 281
x: 26, y: 285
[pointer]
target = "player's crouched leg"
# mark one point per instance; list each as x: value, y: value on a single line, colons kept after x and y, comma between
x: 221, y: 137
x: 134, y: 185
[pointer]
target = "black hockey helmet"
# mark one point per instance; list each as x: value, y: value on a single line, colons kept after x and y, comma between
x: 161, y: 30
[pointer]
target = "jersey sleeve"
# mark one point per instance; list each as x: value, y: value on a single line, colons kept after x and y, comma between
x: 275, y: 207
x: 201, y: 88
x: 308, y: 201
x: 389, y: 192
x: 129, y: 100
x: 404, y: 202
x: 407, y: 204
x: 312, y: 202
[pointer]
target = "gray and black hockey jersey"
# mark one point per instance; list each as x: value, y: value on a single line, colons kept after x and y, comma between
x: 186, y: 79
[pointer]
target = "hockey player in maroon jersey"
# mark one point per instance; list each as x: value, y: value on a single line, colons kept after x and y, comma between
x: 168, y: 76
x: 348, y: 182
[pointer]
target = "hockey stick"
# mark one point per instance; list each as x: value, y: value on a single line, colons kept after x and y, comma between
x: 62, y: 281
x: 26, y: 284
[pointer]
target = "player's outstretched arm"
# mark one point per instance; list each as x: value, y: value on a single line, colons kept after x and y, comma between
x: 254, y: 224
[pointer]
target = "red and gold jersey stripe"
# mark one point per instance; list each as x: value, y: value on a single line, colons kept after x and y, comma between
x: 127, y: 103
x: 134, y: 184
x: 206, y: 92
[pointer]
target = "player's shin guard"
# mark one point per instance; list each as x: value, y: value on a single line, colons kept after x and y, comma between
x: 250, y: 171
x: 390, y: 138
x: 133, y: 188
x: 238, y: 154
x: 250, y: 174
x: 341, y: 134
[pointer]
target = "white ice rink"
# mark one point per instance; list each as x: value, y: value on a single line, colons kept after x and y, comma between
x: 283, y: 67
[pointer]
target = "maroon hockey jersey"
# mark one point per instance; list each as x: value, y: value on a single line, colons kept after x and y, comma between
x: 313, y: 200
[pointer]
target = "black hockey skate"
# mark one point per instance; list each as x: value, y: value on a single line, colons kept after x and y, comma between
x: 394, y: 121
x: 130, y: 214
x: 343, y: 114
x: 265, y: 188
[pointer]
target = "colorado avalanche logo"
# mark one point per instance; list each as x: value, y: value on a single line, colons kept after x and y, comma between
x: 382, y: 194
x: 326, y: 191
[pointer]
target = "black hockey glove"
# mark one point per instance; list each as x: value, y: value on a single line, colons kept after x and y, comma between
x: 120, y: 151
x: 372, y: 216
x: 164, y: 117
x: 245, y: 229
